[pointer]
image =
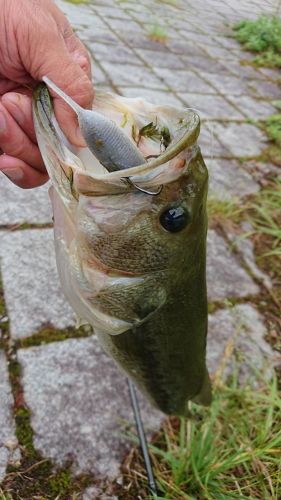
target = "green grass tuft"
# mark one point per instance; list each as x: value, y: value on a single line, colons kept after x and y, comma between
x: 262, y: 36
x: 230, y: 450
x: 265, y: 216
x: 273, y: 128
x: 158, y: 33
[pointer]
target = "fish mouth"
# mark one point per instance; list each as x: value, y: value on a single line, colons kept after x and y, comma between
x: 83, y: 170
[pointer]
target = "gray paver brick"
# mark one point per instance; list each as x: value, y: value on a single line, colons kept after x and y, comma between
x: 9, y: 451
x: 153, y: 96
x: 228, y: 180
x: 240, y: 329
x: 21, y: 205
x: 225, y: 276
x: 255, y: 109
x: 114, y: 53
x: 78, y: 400
x: 184, y: 81
x: 31, y: 285
x: 211, y: 106
x: 77, y: 17
x: 209, y: 144
x: 204, y: 65
x: 265, y: 89
x: 164, y: 60
x: 241, y: 139
x: 129, y: 75
x: 226, y: 84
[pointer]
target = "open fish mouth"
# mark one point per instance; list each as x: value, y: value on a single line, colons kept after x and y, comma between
x: 131, y: 240
x: 166, y: 137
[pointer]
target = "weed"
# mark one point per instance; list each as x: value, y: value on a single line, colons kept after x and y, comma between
x: 265, y: 216
x: 230, y: 450
x: 273, y: 128
x: 224, y: 211
x: 262, y: 36
x: 158, y: 33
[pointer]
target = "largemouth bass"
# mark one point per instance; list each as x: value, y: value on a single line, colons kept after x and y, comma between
x: 131, y: 243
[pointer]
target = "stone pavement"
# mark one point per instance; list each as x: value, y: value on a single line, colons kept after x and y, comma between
x: 77, y: 399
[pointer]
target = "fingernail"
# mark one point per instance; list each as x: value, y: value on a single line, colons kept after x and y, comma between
x: 3, y: 125
x: 13, y: 173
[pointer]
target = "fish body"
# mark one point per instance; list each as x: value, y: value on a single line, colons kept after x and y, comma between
x: 133, y: 264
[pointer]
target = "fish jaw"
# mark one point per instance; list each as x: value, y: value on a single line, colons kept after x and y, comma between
x: 142, y: 287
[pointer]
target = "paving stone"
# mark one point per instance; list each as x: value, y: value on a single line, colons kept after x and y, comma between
x: 255, y: 109
x: 236, y: 344
x: 117, y: 53
x: 141, y: 40
x: 156, y: 58
x: 228, y: 180
x: 153, y: 96
x: 77, y: 16
x: 210, y: 146
x: 31, y: 284
x: 23, y: 205
x: 101, y: 35
x: 129, y: 75
x: 246, y: 248
x: 265, y: 89
x: 79, y: 402
x: 184, y: 81
x: 228, y: 43
x: 225, y: 276
x: 108, y: 11
x: 219, y: 52
x: 241, y: 139
x: 185, y: 47
x: 205, y: 65
x: 227, y: 84
x: 272, y: 73
x: 9, y: 451
x: 117, y: 25
x: 98, y: 75
x: 243, y: 71
x: 211, y: 106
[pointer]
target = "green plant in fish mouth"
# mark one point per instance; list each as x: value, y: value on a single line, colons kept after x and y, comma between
x: 262, y: 36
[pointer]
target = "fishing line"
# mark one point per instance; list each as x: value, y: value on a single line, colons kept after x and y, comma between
x: 142, y: 439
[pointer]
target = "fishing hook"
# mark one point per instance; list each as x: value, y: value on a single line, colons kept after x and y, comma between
x: 151, y: 193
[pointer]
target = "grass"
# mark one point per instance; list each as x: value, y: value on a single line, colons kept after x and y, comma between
x: 224, y: 212
x: 157, y: 33
x: 273, y: 128
x: 263, y: 211
x: 230, y: 450
x: 265, y: 216
x: 262, y: 36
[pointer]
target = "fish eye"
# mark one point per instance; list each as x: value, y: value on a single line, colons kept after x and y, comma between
x: 174, y: 219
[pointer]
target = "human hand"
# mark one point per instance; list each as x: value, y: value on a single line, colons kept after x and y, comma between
x: 36, y: 40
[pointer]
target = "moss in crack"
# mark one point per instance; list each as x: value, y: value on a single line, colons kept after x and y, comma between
x: 26, y: 225
x: 50, y: 334
x: 36, y: 476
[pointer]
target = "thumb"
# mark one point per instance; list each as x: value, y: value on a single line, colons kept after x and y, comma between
x: 52, y: 58
x: 74, y: 82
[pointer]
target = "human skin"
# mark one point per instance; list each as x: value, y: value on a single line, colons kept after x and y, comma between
x: 36, y: 40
